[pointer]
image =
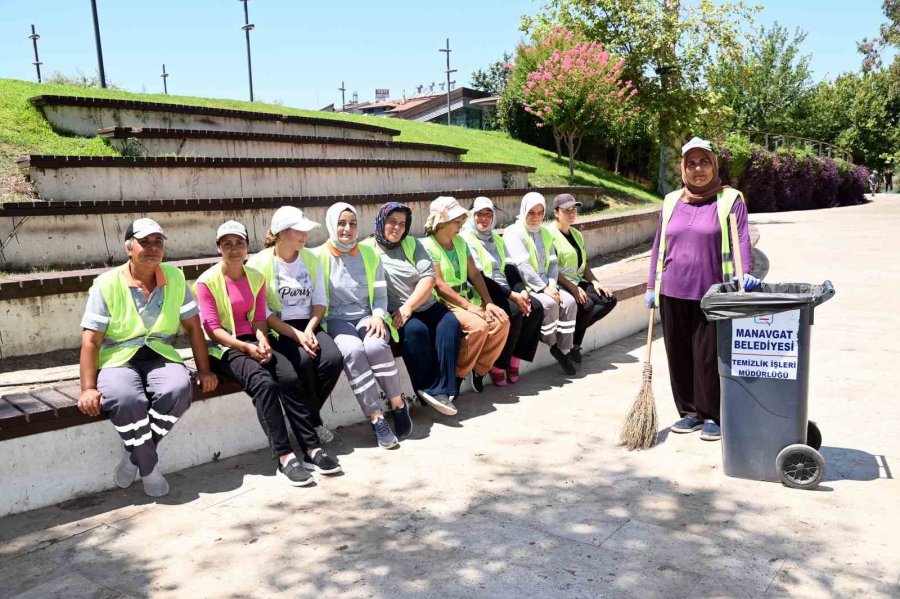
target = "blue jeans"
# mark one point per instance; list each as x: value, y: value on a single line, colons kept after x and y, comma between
x: 429, y: 344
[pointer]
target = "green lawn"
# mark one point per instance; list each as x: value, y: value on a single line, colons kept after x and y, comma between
x: 24, y: 131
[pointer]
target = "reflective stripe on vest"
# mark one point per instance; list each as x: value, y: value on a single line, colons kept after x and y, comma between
x: 484, y: 257
x: 724, y: 204
x: 546, y: 239
x: 370, y: 260
x: 264, y: 262
x: 126, y: 332
x: 567, y: 257
x: 457, y: 280
x: 214, y: 280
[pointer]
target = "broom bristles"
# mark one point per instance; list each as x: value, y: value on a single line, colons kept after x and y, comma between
x: 640, y: 427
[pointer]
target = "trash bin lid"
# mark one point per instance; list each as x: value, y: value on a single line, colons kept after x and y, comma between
x: 723, y: 301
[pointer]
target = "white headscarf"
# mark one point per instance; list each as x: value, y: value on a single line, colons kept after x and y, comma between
x: 331, y: 221
x: 529, y: 201
x: 480, y: 204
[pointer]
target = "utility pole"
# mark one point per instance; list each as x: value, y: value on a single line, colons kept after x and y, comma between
x: 448, y: 71
x: 248, y: 27
x: 102, y: 72
x: 164, y: 77
x: 34, y: 37
x: 343, y: 89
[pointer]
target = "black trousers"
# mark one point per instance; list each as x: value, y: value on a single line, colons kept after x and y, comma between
x: 318, y: 375
x: 595, y: 308
x: 691, y: 348
x: 272, y: 386
x: 524, y: 331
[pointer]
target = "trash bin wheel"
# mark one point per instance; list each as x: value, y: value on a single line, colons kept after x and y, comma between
x: 813, y: 435
x: 800, y: 466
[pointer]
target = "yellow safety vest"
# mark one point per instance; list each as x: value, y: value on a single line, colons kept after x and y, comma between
x: 264, y: 262
x: 724, y: 203
x: 408, y: 244
x: 214, y: 280
x: 457, y: 279
x: 567, y: 257
x: 546, y: 239
x: 370, y: 263
x: 484, y: 257
x: 126, y: 333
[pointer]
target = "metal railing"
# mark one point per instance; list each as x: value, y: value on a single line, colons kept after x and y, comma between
x: 773, y: 141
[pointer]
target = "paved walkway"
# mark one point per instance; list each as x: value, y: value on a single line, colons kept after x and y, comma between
x: 525, y: 494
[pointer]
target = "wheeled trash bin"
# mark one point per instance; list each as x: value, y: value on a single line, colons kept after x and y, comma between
x: 764, y: 347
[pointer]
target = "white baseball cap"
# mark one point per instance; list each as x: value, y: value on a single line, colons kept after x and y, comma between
x: 696, y: 142
x: 231, y: 227
x: 291, y: 217
x: 142, y: 227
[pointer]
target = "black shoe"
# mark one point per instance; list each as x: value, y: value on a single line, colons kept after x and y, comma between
x: 440, y: 402
x: 403, y: 425
x: 564, y: 360
x: 322, y: 462
x: 293, y: 473
x: 384, y: 434
x: 459, y: 382
x: 477, y: 382
x: 575, y: 354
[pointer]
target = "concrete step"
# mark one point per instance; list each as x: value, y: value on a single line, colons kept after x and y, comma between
x: 84, y: 116
x: 151, y: 141
x: 44, y: 309
x: 117, y: 178
x: 64, y: 235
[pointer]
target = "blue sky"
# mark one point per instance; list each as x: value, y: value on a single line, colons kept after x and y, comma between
x: 302, y: 50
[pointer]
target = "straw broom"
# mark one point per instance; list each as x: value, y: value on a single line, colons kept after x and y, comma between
x: 639, y: 429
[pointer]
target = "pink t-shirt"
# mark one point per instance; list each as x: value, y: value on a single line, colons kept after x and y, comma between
x: 241, y: 301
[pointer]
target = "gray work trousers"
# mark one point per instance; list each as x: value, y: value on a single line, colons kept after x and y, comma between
x: 558, y: 327
x: 144, y: 400
x: 367, y: 360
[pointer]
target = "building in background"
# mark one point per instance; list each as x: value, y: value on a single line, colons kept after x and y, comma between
x: 468, y: 107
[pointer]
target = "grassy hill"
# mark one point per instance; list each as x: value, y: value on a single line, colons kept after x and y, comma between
x: 23, y: 130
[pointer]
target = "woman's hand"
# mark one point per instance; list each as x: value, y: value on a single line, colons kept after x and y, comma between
x: 89, y: 402
x: 258, y: 352
x: 581, y: 295
x: 522, y: 301
x: 207, y: 380
x: 601, y: 291
x: 308, y: 342
x: 650, y: 298
x: 495, y: 311
x: 375, y: 327
x: 401, y: 315
x: 553, y: 292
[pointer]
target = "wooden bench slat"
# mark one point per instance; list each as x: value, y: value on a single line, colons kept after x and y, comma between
x: 9, y: 415
x: 53, y: 398
x: 34, y: 409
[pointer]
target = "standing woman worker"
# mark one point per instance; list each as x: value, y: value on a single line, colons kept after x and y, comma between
x: 525, y: 312
x: 462, y: 289
x: 358, y: 321
x: 594, y: 302
x: 692, y: 252
x: 295, y: 298
x: 233, y: 311
x: 429, y: 333
x: 530, y: 246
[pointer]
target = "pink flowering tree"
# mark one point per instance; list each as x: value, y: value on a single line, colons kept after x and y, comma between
x: 579, y: 89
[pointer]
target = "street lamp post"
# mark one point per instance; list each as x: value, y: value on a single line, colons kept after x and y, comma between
x: 447, y: 50
x: 164, y: 77
x: 34, y: 37
x: 343, y: 89
x: 102, y: 72
x: 248, y: 27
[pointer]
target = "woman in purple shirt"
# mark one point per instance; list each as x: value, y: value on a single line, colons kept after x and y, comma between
x: 688, y: 258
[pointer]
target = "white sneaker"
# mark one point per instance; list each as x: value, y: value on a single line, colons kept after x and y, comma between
x: 155, y: 484
x: 326, y: 436
x: 125, y: 473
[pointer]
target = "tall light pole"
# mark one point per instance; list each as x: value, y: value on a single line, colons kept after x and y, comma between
x: 448, y: 71
x: 164, y: 77
x: 343, y: 89
x: 248, y: 27
x: 102, y: 72
x: 34, y: 37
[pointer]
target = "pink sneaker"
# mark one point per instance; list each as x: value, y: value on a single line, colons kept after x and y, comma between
x: 498, y: 377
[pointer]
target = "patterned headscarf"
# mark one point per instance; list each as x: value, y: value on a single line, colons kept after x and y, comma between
x: 381, y: 219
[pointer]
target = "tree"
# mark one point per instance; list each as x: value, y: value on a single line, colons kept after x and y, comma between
x: 577, y: 89
x: 888, y: 35
x: 768, y: 84
x: 666, y: 49
x: 494, y: 77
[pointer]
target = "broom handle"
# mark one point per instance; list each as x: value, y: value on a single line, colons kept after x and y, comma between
x: 736, y: 251
x: 650, y: 335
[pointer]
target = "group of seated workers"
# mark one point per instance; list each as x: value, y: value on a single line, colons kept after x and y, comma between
x: 462, y: 301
